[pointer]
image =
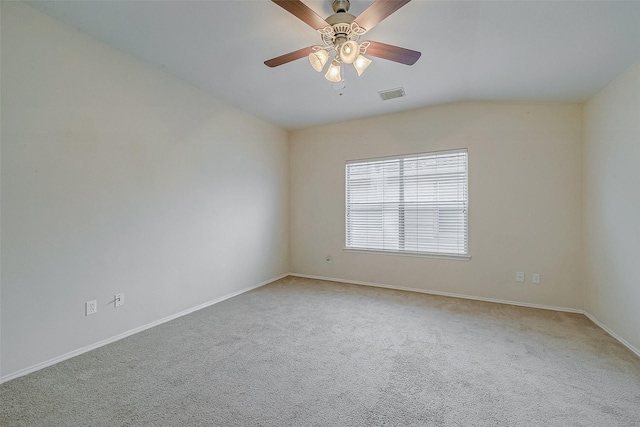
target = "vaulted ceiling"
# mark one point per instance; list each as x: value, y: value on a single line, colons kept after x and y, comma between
x: 544, y: 51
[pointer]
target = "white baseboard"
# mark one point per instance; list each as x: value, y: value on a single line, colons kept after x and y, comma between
x: 445, y: 294
x: 101, y: 343
x: 613, y: 334
x: 98, y: 344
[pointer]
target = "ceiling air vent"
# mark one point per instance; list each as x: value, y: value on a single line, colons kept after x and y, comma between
x: 391, y: 93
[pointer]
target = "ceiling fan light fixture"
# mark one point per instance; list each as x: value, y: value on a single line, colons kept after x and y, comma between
x: 340, y: 34
x: 349, y: 51
x: 334, y: 73
x: 318, y: 59
x: 361, y: 63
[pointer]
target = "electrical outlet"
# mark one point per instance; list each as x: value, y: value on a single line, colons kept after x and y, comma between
x: 91, y: 307
x: 535, y: 278
x: 328, y: 259
x: 118, y: 300
x: 520, y: 276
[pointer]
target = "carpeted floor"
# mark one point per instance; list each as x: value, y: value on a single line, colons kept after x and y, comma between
x: 302, y: 352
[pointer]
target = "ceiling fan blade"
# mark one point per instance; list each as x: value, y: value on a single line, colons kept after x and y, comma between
x: 379, y: 10
x: 302, y: 12
x: 288, y: 57
x: 393, y: 53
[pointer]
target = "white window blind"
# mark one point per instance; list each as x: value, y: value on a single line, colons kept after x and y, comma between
x: 412, y: 204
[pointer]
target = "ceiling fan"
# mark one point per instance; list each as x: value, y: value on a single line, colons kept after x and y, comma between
x: 340, y: 33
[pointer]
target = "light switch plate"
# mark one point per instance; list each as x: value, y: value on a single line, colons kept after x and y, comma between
x: 520, y: 276
x: 535, y: 278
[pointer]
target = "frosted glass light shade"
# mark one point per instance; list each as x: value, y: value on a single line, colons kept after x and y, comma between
x: 333, y: 73
x: 318, y: 59
x: 361, y: 64
x: 349, y: 51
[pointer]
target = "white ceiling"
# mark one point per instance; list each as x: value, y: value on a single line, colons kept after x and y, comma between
x: 548, y: 51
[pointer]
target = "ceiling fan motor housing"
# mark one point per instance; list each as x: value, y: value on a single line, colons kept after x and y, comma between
x: 340, y: 18
x: 340, y: 29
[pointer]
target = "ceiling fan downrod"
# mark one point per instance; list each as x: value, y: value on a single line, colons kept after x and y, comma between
x: 341, y: 6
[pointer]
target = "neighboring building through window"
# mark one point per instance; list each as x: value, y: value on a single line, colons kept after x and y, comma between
x: 415, y: 204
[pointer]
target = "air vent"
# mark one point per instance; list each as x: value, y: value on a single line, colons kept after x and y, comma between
x: 391, y: 93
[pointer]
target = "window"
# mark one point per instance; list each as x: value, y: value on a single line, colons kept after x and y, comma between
x: 414, y: 204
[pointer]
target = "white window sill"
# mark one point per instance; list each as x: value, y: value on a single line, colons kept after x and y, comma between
x: 410, y: 254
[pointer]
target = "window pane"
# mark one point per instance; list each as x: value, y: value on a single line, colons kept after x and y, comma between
x: 415, y: 204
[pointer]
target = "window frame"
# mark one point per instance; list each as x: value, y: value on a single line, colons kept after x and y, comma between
x: 402, y: 207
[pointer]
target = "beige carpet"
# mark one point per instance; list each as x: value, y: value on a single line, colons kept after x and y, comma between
x: 301, y: 352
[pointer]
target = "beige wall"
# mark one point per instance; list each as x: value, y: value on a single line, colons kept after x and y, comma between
x: 117, y: 177
x: 525, y: 209
x: 612, y: 206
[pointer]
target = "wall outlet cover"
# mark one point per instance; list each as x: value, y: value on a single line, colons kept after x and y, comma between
x: 91, y: 307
